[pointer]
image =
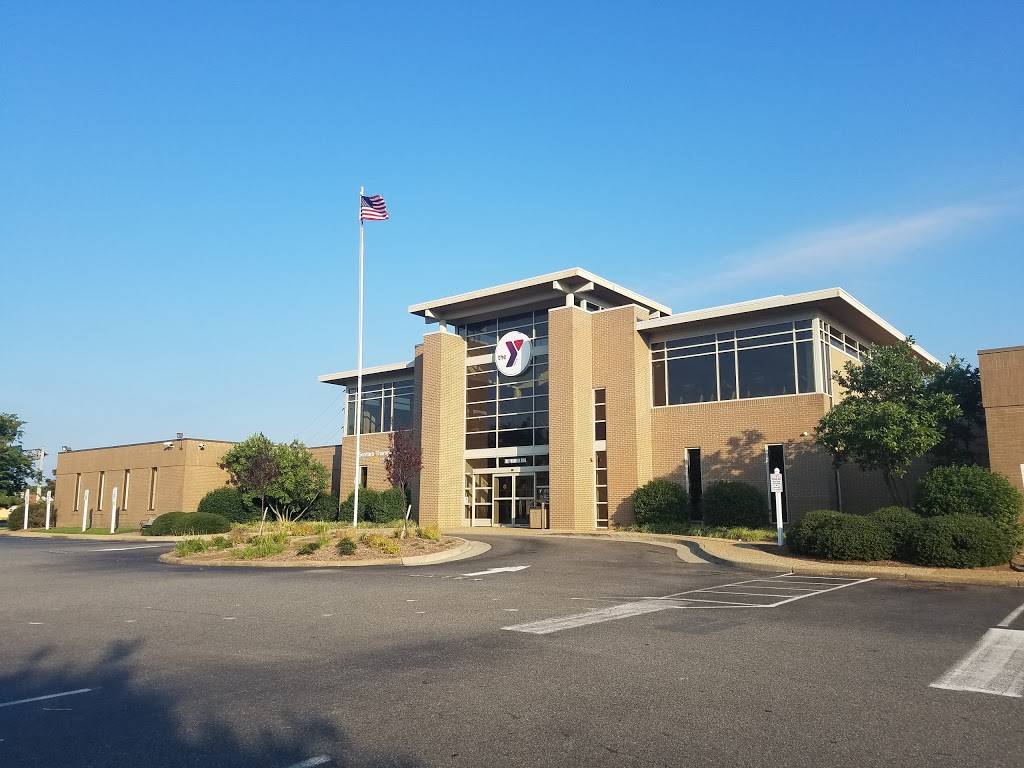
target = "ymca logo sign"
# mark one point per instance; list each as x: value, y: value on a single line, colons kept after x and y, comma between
x: 512, y: 354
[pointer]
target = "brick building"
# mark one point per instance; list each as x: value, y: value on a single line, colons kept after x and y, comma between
x: 569, y: 389
x: 150, y: 478
x: 1002, y: 393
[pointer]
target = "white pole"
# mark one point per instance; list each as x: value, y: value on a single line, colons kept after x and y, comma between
x: 359, y: 370
x: 777, y: 490
x: 85, y: 511
x: 25, y: 526
x: 49, y: 502
x: 113, y: 510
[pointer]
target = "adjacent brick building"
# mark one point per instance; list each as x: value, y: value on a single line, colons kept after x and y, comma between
x: 1002, y: 393
x: 570, y: 390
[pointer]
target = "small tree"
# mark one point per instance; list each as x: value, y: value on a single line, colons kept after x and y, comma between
x: 890, y: 415
x: 252, y: 466
x: 964, y: 441
x: 403, y: 461
x: 17, y: 470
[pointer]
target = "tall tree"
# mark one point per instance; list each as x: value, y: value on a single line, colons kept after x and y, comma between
x: 17, y: 470
x: 964, y: 441
x: 403, y: 461
x: 890, y: 416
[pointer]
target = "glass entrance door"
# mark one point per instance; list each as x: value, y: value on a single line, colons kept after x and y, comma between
x: 513, y: 497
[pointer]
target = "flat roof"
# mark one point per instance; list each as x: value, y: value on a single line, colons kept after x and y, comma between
x: 835, y: 301
x: 532, y: 289
x: 996, y: 350
x: 149, y: 442
x: 341, y: 377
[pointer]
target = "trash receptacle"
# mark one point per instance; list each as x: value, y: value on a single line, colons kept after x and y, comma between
x: 537, y: 517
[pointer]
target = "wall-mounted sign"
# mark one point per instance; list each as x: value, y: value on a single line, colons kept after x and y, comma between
x: 512, y: 354
x: 515, y: 461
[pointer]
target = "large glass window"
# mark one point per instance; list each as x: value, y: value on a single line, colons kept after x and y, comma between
x: 385, y: 407
x: 763, y: 361
x: 482, y: 335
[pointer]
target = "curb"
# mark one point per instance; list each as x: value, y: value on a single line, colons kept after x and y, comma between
x: 459, y: 552
x: 132, y: 537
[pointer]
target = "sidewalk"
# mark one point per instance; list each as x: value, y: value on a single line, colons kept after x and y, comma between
x: 769, y: 557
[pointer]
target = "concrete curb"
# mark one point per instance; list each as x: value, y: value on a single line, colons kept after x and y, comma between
x: 687, y: 551
x: 741, y: 554
x: 97, y: 536
x: 459, y: 552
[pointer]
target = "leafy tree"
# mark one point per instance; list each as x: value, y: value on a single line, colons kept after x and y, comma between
x: 17, y: 470
x: 285, y: 477
x: 890, y: 416
x: 403, y: 461
x: 964, y: 442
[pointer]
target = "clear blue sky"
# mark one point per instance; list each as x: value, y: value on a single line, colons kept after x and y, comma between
x: 178, y: 236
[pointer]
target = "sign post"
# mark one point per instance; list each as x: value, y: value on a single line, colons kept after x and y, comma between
x: 49, y: 503
x: 25, y: 526
x: 113, y: 510
x: 85, y: 511
x: 776, y: 487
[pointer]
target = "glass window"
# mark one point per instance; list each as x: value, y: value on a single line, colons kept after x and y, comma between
x: 766, y: 371
x: 480, y: 425
x: 805, y: 366
x: 478, y: 440
x: 658, y: 377
x: 481, y: 409
x: 480, y: 393
x: 515, y: 421
x: 692, y: 380
x: 727, y: 375
x: 515, y: 438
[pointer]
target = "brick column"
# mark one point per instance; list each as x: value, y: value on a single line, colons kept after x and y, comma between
x: 571, y: 418
x: 442, y: 429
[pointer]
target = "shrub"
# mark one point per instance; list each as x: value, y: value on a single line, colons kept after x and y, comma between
x: 188, y: 523
x: 376, y: 506
x: 960, y: 541
x: 263, y: 546
x: 345, y: 546
x: 382, y: 544
x: 835, y: 536
x: 732, y: 503
x: 220, y: 542
x: 228, y: 503
x: 308, y: 548
x: 660, y: 502
x: 325, y: 508
x: 431, y: 532
x: 970, y: 491
x: 900, y: 524
x: 189, y: 547
x: 36, y: 515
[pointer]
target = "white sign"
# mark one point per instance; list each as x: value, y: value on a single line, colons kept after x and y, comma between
x: 776, y: 479
x: 513, y: 352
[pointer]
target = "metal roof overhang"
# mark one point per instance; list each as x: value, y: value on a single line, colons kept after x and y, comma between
x: 371, y: 374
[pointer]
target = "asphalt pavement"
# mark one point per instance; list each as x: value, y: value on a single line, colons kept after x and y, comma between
x: 596, y: 653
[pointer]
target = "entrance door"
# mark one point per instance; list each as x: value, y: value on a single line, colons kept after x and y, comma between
x: 482, y: 514
x: 513, y: 497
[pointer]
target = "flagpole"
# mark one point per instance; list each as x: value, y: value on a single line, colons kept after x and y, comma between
x: 359, y: 369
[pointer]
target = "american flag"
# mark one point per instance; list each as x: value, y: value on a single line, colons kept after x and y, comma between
x: 372, y: 208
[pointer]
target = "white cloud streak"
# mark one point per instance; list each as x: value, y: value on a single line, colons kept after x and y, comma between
x: 868, y: 242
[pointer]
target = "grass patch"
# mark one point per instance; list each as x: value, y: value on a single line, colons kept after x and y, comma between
x: 220, y: 542
x: 429, y: 532
x: 263, y: 546
x: 382, y: 543
x: 190, y: 547
x: 740, y: 533
x: 308, y: 548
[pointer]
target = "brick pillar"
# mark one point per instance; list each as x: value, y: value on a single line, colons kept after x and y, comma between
x: 442, y: 429
x: 624, y: 371
x: 571, y: 418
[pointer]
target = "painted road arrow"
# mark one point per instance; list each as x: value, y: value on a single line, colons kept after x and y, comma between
x: 506, y: 569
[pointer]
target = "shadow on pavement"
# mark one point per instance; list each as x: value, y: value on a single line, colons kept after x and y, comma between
x: 124, y: 720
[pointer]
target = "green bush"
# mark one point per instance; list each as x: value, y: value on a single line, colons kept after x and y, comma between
x: 325, y: 508
x: 220, y: 542
x: 189, y: 547
x: 308, y: 548
x: 900, y: 524
x: 660, y: 502
x: 376, y: 506
x: 36, y: 515
x: 346, y: 546
x: 228, y: 503
x: 971, y: 491
x: 835, y: 536
x: 960, y: 541
x: 187, y: 523
x: 263, y: 546
x: 732, y: 503
x: 430, y: 532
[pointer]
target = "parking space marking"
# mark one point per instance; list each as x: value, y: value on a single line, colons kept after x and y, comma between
x: 994, y: 665
x: 125, y: 549
x: 46, y: 697
x: 318, y: 760
x: 685, y: 600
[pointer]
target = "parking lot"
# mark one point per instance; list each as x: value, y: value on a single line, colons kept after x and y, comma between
x: 540, y: 652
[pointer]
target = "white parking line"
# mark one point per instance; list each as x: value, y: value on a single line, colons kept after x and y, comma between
x: 47, y: 696
x: 994, y: 665
x: 318, y: 760
x: 1012, y: 616
x: 678, y: 600
x: 124, y: 549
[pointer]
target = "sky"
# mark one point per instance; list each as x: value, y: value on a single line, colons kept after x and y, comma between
x: 178, y: 228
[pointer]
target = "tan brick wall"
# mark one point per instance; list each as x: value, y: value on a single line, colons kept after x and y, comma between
x: 185, y: 474
x: 1002, y: 391
x: 442, y: 376
x: 732, y: 437
x: 621, y: 363
x: 330, y: 457
x: 571, y: 418
x: 377, y: 445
